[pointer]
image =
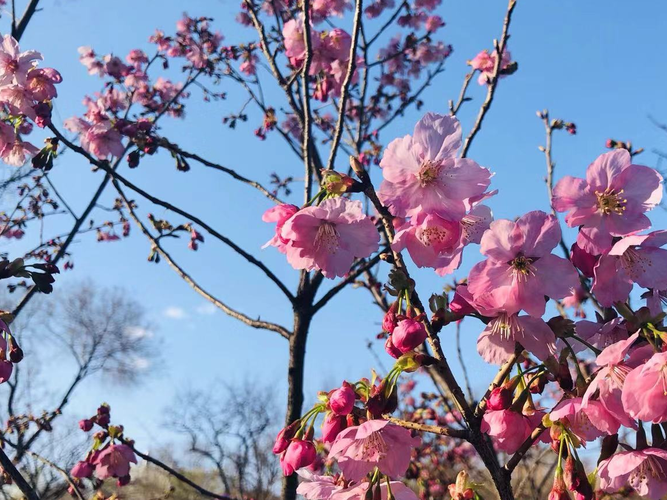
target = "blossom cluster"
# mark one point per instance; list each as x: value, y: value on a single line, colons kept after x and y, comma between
x: 111, y: 453
x: 434, y: 197
x: 26, y: 92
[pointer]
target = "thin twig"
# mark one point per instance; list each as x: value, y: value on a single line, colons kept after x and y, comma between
x: 255, y: 323
x: 493, y: 80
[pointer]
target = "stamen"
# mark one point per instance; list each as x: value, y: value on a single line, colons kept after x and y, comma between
x: 428, y: 172
x: 374, y: 447
x: 327, y: 237
x: 522, y: 268
x: 611, y: 202
x: 506, y: 327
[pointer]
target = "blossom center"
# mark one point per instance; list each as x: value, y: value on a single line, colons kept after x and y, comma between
x: 505, y: 326
x: 374, y: 447
x: 327, y: 238
x: 522, y: 268
x: 634, y: 263
x: 652, y: 467
x: 610, y: 201
x: 13, y: 66
x: 428, y: 172
x: 434, y: 235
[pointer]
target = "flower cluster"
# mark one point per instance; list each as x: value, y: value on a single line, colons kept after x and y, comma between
x: 327, y: 237
x: 111, y: 453
x: 26, y: 92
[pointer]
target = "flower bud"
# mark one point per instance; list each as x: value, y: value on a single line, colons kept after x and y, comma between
x: 391, y: 349
x: 499, y: 399
x: 6, y: 369
x: 408, y: 335
x: 342, y: 399
x: 389, y: 321
x: 298, y: 454
x: 570, y: 477
x: 82, y: 470
x: 85, y: 425
x: 332, y: 426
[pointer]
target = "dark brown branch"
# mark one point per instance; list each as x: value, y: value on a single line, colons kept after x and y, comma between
x: 521, y: 452
x: 173, y: 147
x: 19, y: 28
x: 103, y: 166
x: 16, y: 476
x: 255, y: 323
x: 500, y: 377
x: 305, y: 101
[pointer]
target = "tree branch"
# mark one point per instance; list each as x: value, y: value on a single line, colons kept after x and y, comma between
x: 255, y: 323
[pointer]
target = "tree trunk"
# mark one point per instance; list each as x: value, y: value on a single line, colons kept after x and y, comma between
x: 297, y: 352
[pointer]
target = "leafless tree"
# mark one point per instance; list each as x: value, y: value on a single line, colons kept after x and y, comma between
x: 229, y: 428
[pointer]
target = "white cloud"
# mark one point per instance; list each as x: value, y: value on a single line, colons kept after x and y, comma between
x: 206, y: 308
x: 175, y: 312
x: 140, y: 363
x: 137, y: 332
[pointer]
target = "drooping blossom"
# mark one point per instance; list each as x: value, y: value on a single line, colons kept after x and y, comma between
x: 610, y: 201
x: 607, y: 385
x: 485, y: 63
x: 375, y: 443
x: 644, y: 394
x: 435, y: 242
x: 600, y: 335
x: 399, y: 491
x: 279, y: 214
x: 520, y: 269
x: 634, y: 259
x: 18, y: 152
x: 587, y: 423
x: 645, y: 471
x: 299, y: 453
x: 332, y: 426
x: 508, y: 428
x: 329, y: 236
x: 498, y: 340
x: 100, y: 140
x: 316, y: 487
x: 422, y: 172
x: 114, y: 461
x: 82, y: 469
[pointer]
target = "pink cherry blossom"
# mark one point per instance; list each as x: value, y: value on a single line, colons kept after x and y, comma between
x: 643, y: 470
x: 634, y: 259
x: 315, y: 487
x: 485, y: 62
x: 100, y: 140
x: 332, y: 426
x: 587, y: 423
x: 82, y: 470
x: 508, y: 428
x: 422, y: 172
x: 520, y: 268
x: 18, y: 152
x: 14, y: 64
x: 644, y: 393
x: 375, y: 443
x: 600, y: 335
x: 279, y: 214
x: 610, y: 201
x: 498, y: 340
x: 399, y: 491
x: 607, y: 385
x: 114, y: 461
x: 329, y: 236
x: 41, y: 83
x: 435, y: 242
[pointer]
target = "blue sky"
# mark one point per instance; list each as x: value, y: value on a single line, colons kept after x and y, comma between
x: 591, y: 62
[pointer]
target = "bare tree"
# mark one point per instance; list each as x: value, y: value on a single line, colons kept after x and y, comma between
x: 231, y: 431
x: 106, y: 332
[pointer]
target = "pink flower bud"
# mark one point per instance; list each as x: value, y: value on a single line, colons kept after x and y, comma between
x: 499, y: 399
x: 341, y: 400
x: 6, y: 369
x: 389, y: 321
x: 299, y: 454
x: 281, y: 443
x: 408, y: 335
x: 332, y: 426
x: 82, y: 470
x: 391, y: 349
x: 85, y: 424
